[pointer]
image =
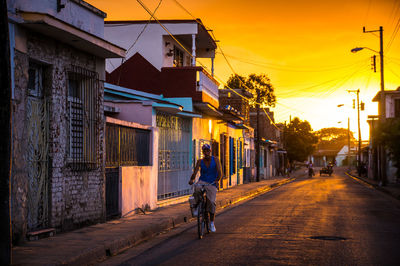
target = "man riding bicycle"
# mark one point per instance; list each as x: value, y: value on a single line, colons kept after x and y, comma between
x: 210, y: 173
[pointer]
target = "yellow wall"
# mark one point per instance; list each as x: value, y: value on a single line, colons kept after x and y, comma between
x: 201, y: 131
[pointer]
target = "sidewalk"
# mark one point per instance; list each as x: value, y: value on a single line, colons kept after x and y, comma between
x: 391, y: 189
x: 95, y: 243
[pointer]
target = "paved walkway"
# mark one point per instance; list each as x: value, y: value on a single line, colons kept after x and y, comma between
x: 391, y: 189
x: 94, y: 243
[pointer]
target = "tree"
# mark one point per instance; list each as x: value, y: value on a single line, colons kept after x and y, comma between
x: 258, y: 85
x: 388, y: 135
x: 299, y: 140
x: 333, y: 138
x: 236, y: 82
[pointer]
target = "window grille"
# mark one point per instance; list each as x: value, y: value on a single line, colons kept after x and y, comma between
x: 83, y: 112
x: 127, y: 146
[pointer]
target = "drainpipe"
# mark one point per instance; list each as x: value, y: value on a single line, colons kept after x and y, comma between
x: 212, y: 66
x: 193, y: 49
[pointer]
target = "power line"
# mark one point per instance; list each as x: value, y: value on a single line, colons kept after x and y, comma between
x: 180, y: 44
x: 367, y: 13
x: 222, y: 52
x: 198, y: 21
x: 395, y: 31
x: 230, y: 66
x: 144, y: 28
x: 323, y: 94
x: 294, y: 69
x: 391, y: 70
x: 272, y: 122
x: 295, y: 91
x: 137, y: 38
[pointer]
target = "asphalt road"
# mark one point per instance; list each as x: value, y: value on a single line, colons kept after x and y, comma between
x: 318, y: 221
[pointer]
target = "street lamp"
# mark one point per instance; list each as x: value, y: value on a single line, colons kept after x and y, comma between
x: 357, y: 49
x: 382, y: 104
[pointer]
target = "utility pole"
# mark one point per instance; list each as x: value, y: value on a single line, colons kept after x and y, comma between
x: 348, y: 142
x: 5, y: 140
x: 382, y: 109
x: 359, y: 130
x: 258, y: 137
x: 359, y: 134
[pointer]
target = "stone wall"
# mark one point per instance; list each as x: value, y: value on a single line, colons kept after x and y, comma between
x: 75, y: 198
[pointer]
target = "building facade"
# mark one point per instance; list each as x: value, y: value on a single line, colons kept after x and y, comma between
x: 272, y: 163
x: 392, y: 112
x: 58, y: 61
x: 159, y: 63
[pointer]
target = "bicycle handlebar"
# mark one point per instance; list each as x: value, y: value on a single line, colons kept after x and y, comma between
x: 208, y: 184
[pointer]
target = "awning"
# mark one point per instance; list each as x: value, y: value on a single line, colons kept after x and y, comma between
x: 168, y: 108
x: 66, y: 33
x: 270, y: 143
x: 207, y: 109
x: 240, y: 125
x: 189, y: 114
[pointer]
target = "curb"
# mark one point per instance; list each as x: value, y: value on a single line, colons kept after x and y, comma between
x: 252, y: 193
x: 118, y: 246
x: 374, y: 186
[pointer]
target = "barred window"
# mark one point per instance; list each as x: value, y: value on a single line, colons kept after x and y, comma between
x: 127, y: 146
x: 83, y: 119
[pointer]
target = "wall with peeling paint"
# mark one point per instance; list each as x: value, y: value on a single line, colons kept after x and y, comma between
x: 76, y: 198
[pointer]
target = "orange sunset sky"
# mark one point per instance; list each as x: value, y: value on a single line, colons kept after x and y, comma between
x: 303, y: 46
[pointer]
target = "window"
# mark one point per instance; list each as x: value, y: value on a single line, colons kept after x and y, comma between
x: 83, y: 119
x: 232, y: 155
x: 35, y: 80
x: 127, y: 146
x: 265, y: 157
x: 397, y: 108
x: 178, y: 57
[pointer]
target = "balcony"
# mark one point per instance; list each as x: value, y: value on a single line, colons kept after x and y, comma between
x: 194, y: 82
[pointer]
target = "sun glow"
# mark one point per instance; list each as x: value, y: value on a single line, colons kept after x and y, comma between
x: 303, y: 46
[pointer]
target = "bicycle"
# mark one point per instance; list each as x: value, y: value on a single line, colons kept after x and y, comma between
x: 202, y: 213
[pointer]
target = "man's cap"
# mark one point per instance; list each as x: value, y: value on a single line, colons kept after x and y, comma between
x: 206, y: 147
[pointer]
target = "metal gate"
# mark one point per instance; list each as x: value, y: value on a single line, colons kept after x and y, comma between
x: 112, y: 192
x: 37, y: 151
x: 174, y: 167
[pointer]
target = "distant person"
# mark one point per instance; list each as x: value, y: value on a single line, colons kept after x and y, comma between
x: 310, y: 169
x: 210, y: 173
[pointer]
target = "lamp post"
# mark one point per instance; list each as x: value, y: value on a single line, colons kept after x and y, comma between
x: 382, y: 104
x: 359, y: 131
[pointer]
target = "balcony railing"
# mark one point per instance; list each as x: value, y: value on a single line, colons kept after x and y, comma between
x: 193, y: 82
x: 207, y: 84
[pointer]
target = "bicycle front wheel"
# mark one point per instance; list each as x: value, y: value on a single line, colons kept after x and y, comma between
x: 200, y: 220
